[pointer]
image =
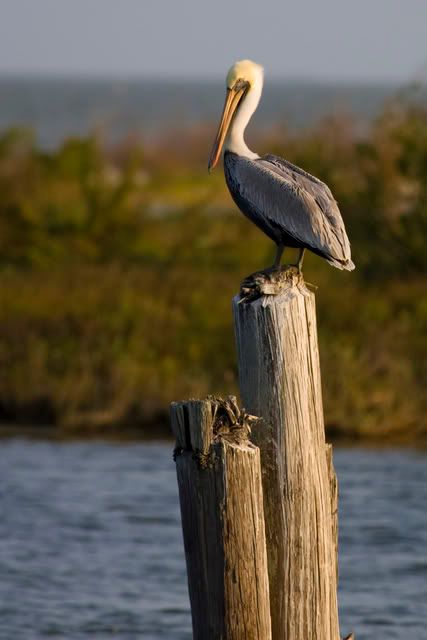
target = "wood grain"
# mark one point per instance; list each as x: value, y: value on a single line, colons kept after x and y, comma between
x: 334, y: 503
x: 220, y: 489
x: 280, y: 381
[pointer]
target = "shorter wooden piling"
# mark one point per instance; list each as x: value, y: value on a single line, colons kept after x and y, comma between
x: 220, y: 490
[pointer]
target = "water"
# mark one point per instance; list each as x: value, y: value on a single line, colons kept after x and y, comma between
x: 91, y: 545
x: 60, y: 107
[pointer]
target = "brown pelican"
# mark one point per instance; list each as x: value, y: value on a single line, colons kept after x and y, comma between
x: 292, y: 207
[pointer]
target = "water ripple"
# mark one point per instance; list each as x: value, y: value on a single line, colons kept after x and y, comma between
x: 91, y: 543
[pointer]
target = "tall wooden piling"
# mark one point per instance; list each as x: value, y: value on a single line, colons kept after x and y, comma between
x: 220, y: 489
x: 280, y: 381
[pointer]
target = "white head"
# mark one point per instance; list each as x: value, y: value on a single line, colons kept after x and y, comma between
x: 247, y: 71
x: 244, y: 86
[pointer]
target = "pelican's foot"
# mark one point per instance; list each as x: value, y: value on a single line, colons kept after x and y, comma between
x: 270, y: 281
x: 295, y: 267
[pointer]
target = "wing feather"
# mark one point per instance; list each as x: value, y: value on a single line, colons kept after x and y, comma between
x: 303, y: 206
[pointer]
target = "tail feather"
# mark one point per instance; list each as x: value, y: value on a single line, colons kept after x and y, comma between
x: 347, y: 264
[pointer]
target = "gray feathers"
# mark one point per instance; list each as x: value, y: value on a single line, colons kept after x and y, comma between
x: 291, y: 206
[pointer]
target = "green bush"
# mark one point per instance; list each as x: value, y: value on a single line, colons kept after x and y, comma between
x: 118, y: 266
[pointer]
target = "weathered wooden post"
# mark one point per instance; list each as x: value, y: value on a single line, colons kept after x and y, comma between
x: 280, y: 382
x: 220, y: 489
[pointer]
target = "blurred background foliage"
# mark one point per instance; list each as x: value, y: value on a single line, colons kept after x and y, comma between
x: 118, y: 264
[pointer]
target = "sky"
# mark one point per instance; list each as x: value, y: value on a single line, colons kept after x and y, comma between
x: 367, y: 40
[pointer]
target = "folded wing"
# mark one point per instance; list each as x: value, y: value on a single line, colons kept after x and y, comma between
x: 286, y: 197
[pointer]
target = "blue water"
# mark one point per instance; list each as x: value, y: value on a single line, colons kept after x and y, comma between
x: 61, y: 107
x: 91, y: 544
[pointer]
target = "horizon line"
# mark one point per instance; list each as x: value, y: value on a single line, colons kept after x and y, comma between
x: 75, y: 75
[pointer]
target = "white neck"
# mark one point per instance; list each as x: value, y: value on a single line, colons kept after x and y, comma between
x: 236, y: 138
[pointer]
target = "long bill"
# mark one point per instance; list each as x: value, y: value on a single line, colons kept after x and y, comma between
x: 232, y: 101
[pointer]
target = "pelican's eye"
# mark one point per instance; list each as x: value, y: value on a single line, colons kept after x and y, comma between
x: 241, y: 85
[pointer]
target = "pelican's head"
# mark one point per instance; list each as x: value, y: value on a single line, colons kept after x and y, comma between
x: 244, y: 78
x: 245, y: 71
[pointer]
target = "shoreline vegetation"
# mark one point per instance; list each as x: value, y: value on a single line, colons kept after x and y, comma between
x: 118, y: 264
